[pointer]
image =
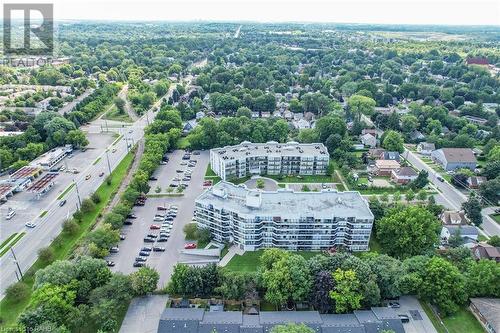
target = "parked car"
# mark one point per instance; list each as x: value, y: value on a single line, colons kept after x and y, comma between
x: 179, y: 171
x: 173, y: 185
x: 148, y: 240
x: 183, y: 163
x: 114, y: 249
x: 393, y: 304
x: 127, y: 222
x: 158, y: 249
x: 186, y: 157
x: 169, y: 218
x: 110, y: 263
x: 87, y: 177
x: 147, y: 248
x: 404, y: 318
x: 186, y: 179
x: 190, y: 246
x: 152, y: 235
x: 196, y: 153
x: 157, y: 218
x: 122, y: 237
x: 140, y: 259
x: 153, y: 178
x: 161, y: 208
x: 131, y: 216
x: 154, y: 227
x: 144, y: 253
x: 62, y: 203
x: 138, y: 264
x: 162, y: 239
x: 30, y: 225
x: 163, y: 162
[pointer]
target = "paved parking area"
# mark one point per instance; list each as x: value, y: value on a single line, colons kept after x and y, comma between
x: 419, y: 322
x: 311, y: 186
x: 28, y: 206
x: 269, y: 184
x: 143, y: 314
x: 163, y: 261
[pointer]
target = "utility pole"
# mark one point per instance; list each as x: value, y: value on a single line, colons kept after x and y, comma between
x: 107, y: 159
x: 78, y: 193
x: 16, y: 262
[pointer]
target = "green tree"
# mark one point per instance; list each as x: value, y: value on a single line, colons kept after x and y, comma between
x: 292, y: 328
x: 243, y: 111
x: 408, y: 232
x: 482, y: 279
x: 472, y: 208
x: 87, y: 206
x: 410, y: 195
x: 17, y: 292
x: 345, y: 293
x: 77, y: 138
x: 494, y: 241
x: 393, y: 141
x: 144, y: 280
x: 46, y: 255
x: 359, y: 105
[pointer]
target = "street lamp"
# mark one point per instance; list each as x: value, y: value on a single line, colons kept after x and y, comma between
x: 77, y: 193
x: 107, y: 159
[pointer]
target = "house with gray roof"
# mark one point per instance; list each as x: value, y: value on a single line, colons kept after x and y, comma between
x: 486, y: 311
x: 468, y: 233
x: 455, y: 158
x: 190, y: 320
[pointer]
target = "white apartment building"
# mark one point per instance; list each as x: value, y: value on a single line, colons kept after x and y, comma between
x: 255, y: 219
x: 270, y: 158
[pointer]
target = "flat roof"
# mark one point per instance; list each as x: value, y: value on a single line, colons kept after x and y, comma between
x: 25, y: 172
x: 286, y: 203
x: 41, y: 184
x: 272, y: 148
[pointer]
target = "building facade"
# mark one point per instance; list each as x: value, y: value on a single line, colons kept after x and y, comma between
x: 269, y: 158
x: 455, y: 158
x: 254, y: 219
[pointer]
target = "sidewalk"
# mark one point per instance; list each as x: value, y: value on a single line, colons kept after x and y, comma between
x: 230, y: 254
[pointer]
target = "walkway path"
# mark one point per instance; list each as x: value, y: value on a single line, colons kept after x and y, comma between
x: 234, y: 249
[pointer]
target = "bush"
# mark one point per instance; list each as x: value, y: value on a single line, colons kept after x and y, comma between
x: 70, y: 227
x: 190, y: 230
x: 46, y: 255
x: 109, y: 179
x: 95, y: 198
x: 17, y: 291
x: 204, y: 235
x: 87, y: 206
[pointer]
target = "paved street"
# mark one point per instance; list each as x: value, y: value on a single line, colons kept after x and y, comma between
x: 48, y: 227
x: 71, y: 105
x: 449, y: 195
x: 162, y: 261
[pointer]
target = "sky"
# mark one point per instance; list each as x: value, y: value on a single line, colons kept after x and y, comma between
x: 443, y: 12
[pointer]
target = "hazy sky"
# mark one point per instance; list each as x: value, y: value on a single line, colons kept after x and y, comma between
x: 465, y: 12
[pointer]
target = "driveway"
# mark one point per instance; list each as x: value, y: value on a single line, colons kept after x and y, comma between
x: 163, y: 262
x: 419, y: 322
x: 143, y: 314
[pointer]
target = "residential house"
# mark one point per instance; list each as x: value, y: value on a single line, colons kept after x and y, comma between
x: 486, y: 251
x: 455, y: 158
x: 375, y: 153
x: 486, y: 310
x: 452, y: 217
x: 426, y: 148
x: 44, y: 103
x: 475, y: 181
x: 468, y: 233
x: 385, y: 167
x: 417, y: 136
x: 301, y: 124
x: 368, y: 140
x: 404, y: 175
x: 371, y: 131
x: 189, y: 125
x: 199, y: 115
x: 390, y: 156
x: 475, y: 120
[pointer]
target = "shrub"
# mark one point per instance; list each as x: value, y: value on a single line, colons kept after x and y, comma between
x: 95, y: 198
x: 190, y: 230
x: 46, y: 255
x: 17, y: 291
x: 70, y: 227
x: 87, y: 206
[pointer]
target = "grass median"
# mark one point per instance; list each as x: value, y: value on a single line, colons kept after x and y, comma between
x: 6, y: 247
x: 64, y: 244
x: 65, y: 191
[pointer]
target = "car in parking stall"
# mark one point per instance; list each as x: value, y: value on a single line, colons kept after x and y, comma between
x: 158, y: 249
x: 148, y: 240
x: 114, y: 249
x: 154, y: 227
x: 138, y: 264
x: 190, y: 246
x: 144, y: 253
x: 141, y: 259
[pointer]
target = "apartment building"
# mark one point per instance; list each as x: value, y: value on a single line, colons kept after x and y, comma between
x: 270, y: 158
x: 255, y: 219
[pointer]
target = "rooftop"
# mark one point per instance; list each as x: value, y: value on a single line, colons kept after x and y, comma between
x: 489, y: 308
x: 271, y: 148
x: 286, y: 203
x: 459, y: 154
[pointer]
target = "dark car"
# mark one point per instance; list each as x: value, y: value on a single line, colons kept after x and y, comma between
x: 127, y: 222
x: 114, y: 249
x: 185, y: 179
x: 179, y: 171
x: 186, y: 157
x: 153, y: 178
x: 140, y: 259
x: 161, y: 208
x: 169, y: 218
x: 394, y: 305
x: 146, y: 248
x: 110, y: 263
x: 158, y: 249
x: 138, y: 264
x: 196, y: 153
x: 404, y: 318
x: 131, y: 216
x: 122, y: 237
x: 62, y: 203
x: 440, y: 178
x: 162, y: 239
x: 152, y: 235
x: 173, y: 185
x: 144, y: 253
x: 148, y: 240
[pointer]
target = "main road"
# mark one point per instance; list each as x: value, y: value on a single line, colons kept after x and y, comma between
x: 452, y: 196
x: 48, y: 227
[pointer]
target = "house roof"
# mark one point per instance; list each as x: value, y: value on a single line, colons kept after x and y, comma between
x: 458, y: 155
x: 390, y: 155
x: 488, y: 251
x: 476, y: 180
x: 387, y: 164
x: 489, y: 309
x: 427, y: 146
x: 448, y: 217
x: 465, y: 230
x: 405, y: 172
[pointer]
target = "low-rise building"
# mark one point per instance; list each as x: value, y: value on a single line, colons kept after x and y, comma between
x: 385, y: 167
x: 404, y: 175
x: 486, y: 251
x: 426, y: 148
x: 475, y: 181
x: 452, y: 217
x: 368, y: 140
x: 50, y: 159
x: 254, y: 219
x: 467, y: 232
x: 390, y: 155
x: 455, y: 158
x: 272, y: 158
x: 486, y: 310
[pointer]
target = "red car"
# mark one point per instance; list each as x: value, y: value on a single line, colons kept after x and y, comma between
x: 161, y: 208
x: 154, y: 227
x: 207, y: 183
x: 189, y: 246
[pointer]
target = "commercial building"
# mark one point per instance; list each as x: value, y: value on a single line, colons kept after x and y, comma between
x: 196, y: 320
x: 48, y: 160
x: 255, y: 219
x: 271, y: 158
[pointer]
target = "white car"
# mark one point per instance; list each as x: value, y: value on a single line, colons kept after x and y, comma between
x: 30, y: 225
x: 10, y: 214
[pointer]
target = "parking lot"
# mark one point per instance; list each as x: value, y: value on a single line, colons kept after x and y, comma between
x: 135, y: 233
x: 28, y: 206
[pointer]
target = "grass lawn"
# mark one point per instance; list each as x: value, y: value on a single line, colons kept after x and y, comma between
x: 64, y: 244
x: 42, y: 214
x: 462, y: 321
x: 303, y: 179
x: 5, y: 242
x: 15, y: 239
x: 182, y: 143
x: 65, y: 191
x: 210, y: 172
x: 249, y: 261
x: 115, y: 114
x: 96, y: 161
x: 496, y: 217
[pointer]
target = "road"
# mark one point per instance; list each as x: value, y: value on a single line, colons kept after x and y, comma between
x: 71, y: 105
x: 449, y: 194
x: 48, y: 227
x: 163, y: 261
